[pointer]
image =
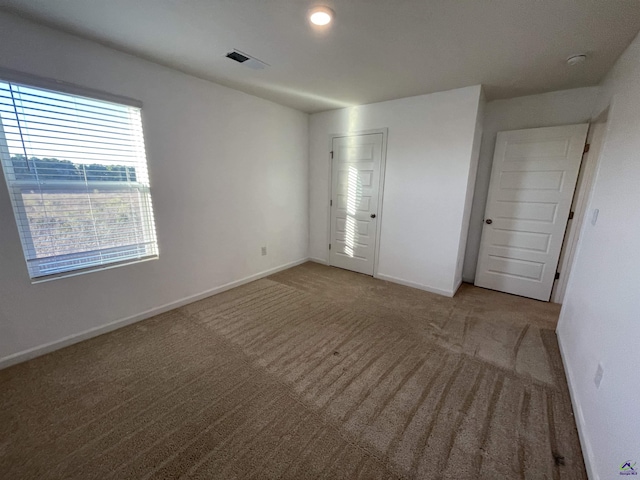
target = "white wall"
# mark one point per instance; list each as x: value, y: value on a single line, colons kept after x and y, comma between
x: 471, y: 185
x: 546, y: 110
x: 229, y: 174
x: 600, y: 318
x: 429, y: 166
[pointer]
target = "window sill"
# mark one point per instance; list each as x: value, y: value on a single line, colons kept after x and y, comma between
x: 84, y: 271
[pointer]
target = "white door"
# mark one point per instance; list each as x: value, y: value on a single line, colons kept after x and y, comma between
x: 532, y: 183
x: 355, y: 185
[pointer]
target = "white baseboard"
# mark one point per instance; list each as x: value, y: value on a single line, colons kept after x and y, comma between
x: 94, y: 332
x: 318, y: 260
x: 577, y: 411
x: 407, y: 283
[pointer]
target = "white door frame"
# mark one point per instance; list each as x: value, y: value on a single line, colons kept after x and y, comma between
x: 383, y: 164
x: 590, y: 161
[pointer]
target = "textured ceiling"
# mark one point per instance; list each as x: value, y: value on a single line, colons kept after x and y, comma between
x: 375, y: 50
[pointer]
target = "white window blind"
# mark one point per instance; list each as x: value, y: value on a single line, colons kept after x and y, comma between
x: 77, y: 176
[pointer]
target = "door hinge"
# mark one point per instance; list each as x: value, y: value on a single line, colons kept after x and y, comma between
x: 587, y: 146
x: 331, y: 154
x: 557, y: 276
x: 329, y: 246
x: 570, y: 215
x: 331, y: 203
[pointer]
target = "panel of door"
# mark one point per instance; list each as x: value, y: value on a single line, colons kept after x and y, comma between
x: 532, y: 184
x: 355, y: 184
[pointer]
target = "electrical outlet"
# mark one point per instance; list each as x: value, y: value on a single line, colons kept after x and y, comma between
x: 264, y: 251
x: 599, y: 374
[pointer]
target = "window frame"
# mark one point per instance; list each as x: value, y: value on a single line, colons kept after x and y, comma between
x: 16, y: 187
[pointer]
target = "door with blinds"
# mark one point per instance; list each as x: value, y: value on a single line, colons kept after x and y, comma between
x: 76, y: 171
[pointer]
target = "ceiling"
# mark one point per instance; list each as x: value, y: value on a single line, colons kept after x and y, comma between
x: 375, y: 50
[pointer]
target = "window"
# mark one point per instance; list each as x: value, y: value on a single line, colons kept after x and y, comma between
x: 77, y: 176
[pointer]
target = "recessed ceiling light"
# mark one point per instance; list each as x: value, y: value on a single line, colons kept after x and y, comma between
x: 321, y: 15
x: 576, y: 59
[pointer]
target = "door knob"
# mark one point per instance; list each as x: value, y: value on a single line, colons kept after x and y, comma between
x: 373, y: 215
x: 489, y: 221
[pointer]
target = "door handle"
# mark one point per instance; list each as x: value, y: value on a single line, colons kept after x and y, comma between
x: 488, y: 221
x: 373, y: 215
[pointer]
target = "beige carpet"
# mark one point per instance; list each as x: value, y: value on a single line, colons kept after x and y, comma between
x: 314, y: 372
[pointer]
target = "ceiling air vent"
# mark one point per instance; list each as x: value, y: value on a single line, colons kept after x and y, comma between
x: 247, y: 60
x: 238, y: 57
